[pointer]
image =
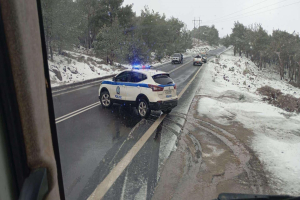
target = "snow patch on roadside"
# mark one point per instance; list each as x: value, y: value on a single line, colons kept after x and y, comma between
x: 77, y: 67
x: 200, y: 47
x: 200, y: 50
x: 229, y: 94
x: 281, y: 157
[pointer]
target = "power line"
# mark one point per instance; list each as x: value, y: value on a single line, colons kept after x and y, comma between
x: 198, y: 26
x: 261, y: 12
x: 196, y: 21
x: 238, y: 11
x: 211, y: 21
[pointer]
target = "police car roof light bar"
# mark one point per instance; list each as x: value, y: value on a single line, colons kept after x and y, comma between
x: 141, y: 67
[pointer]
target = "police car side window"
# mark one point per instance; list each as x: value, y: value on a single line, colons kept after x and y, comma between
x: 137, y: 77
x: 123, y: 77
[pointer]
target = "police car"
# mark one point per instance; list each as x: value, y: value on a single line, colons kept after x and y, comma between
x: 146, y: 89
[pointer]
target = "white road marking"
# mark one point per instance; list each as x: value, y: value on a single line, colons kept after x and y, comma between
x: 77, y: 113
x: 109, y: 180
x: 94, y: 84
x: 187, y: 85
x: 179, y: 67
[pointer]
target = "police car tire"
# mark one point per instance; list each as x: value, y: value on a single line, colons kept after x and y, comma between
x: 141, y: 104
x: 167, y: 111
x: 104, y: 104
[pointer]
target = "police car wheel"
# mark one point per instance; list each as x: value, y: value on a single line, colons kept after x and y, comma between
x: 105, y: 99
x: 143, y: 108
x: 167, y: 111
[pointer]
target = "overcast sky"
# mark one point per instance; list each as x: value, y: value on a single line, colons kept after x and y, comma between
x: 272, y: 14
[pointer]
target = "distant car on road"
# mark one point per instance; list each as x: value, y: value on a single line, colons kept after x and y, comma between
x: 177, y: 58
x: 204, y: 58
x: 198, y: 60
x: 144, y: 88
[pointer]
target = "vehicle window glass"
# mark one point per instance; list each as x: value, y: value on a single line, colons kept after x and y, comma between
x: 123, y: 77
x: 144, y: 77
x: 137, y: 77
x: 248, y: 50
x: 163, y: 79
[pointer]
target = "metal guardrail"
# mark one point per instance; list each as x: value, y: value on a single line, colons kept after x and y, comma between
x: 81, y: 82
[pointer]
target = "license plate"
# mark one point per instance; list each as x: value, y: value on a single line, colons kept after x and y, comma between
x: 168, y: 96
x: 168, y: 91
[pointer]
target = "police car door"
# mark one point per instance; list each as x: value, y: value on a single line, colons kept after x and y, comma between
x: 118, y: 89
x: 134, y: 87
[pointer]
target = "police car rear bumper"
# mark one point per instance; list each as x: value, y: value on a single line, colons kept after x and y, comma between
x: 163, y: 105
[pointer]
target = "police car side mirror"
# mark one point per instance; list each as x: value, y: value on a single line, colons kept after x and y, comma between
x: 114, y: 78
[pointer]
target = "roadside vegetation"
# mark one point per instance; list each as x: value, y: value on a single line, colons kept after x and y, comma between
x: 275, y: 97
x: 207, y: 34
x: 112, y: 31
x: 280, y: 49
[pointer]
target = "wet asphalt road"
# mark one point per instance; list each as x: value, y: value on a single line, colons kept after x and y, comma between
x: 93, y: 141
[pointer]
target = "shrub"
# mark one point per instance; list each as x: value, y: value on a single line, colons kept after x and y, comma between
x: 81, y: 59
x: 289, y: 103
x: 246, y: 71
x: 275, y: 97
x: 241, y: 97
x: 269, y: 92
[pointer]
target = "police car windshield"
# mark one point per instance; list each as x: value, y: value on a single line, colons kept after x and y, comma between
x: 176, y: 55
x: 163, y: 79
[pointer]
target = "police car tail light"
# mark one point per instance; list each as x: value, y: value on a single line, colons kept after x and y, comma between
x: 175, y: 86
x: 156, y: 88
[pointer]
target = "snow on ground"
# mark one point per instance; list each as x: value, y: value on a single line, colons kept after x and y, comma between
x: 76, y: 67
x: 166, y: 59
x: 81, y: 64
x: 202, y: 49
x: 199, y: 47
x: 229, y: 86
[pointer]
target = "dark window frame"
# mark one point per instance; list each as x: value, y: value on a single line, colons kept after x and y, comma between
x: 122, y: 73
x: 144, y: 77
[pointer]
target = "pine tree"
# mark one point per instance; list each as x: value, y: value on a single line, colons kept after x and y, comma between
x: 111, y: 42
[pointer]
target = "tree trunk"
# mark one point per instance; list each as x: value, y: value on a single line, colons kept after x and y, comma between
x: 298, y: 78
x: 260, y: 62
x: 281, y: 66
x: 112, y: 57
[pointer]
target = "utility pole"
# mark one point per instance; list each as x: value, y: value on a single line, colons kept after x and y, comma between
x: 199, y: 30
x: 198, y: 27
x: 194, y: 22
